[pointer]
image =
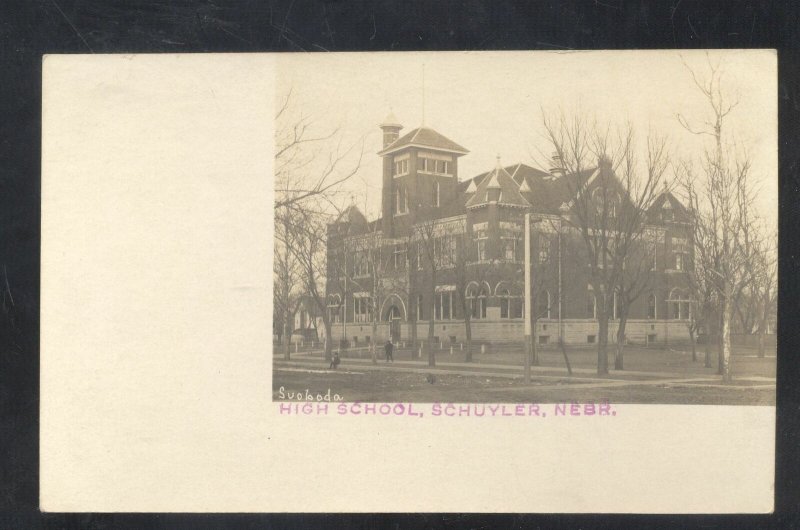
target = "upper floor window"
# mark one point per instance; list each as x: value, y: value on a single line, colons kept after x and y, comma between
x: 361, y: 264
x: 480, y: 240
x: 680, y: 262
x: 400, y: 167
x: 399, y: 256
x: 401, y: 200
x: 444, y: 251
x: 432, y: 163
x: 544, y: 249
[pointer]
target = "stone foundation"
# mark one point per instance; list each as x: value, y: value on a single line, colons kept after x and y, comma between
x: 576, y: 332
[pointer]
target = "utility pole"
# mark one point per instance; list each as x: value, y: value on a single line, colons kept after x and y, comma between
x: 528, y: 301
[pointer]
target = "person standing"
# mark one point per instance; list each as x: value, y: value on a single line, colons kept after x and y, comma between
x: 388, y: 349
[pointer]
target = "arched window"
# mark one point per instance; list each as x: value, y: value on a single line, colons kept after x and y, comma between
x: 591, y: 306
x: 543, y: 305
x: 335, y: 308
x: 605, y: 202
x: 476, y: 301
x: 679, y: 305
x: 651, y: 306
x: 505, y: 303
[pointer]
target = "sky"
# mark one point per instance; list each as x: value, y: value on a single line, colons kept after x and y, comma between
x: 492, y: 102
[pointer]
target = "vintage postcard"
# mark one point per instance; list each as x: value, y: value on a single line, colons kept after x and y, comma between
x: 500, y: 282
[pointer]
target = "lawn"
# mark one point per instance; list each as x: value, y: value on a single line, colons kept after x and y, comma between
x: 675, y: 360
x: 397, y: 386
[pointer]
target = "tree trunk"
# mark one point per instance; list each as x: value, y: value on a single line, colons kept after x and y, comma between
x: 534, y: 350
x: 287, y: 351
x: 602, y: 344
x: 618, y: 357
x: 431, y: 307
x: 726, y: 340
x: 468, y: 333
x: 373, y: 339
x: 328, y: 345
x: 707, y: 326
x: 720, y: 367
x: 761, y: 343
x: 691, y: 341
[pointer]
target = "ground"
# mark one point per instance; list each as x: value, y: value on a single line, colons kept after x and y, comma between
x: 651, y: 376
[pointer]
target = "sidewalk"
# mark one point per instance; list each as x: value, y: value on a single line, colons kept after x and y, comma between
x: 505, y: 370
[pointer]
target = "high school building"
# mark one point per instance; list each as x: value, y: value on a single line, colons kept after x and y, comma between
x: 376, y: 269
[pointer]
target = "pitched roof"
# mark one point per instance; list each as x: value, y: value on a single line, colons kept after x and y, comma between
x: 351, y: 214
x: 545, y: 193
x: 666, y: 200
x: 425, y: 137
x: 500, y: 179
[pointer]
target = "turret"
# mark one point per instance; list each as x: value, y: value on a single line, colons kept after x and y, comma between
x: 391, y: 130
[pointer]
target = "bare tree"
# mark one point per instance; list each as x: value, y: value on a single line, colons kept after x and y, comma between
x: 436, y: 250
x: 609, y: 203
x: 309, y: 249
x: 286, y: 272
x: 723, y: 207
x: 309, y: 164
x: 635, y: 279
x: 309, y: 170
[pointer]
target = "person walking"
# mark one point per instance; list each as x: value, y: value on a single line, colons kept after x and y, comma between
x: 388, y: 349
x: 335, y: 361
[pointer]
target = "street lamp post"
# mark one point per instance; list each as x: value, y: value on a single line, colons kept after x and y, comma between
x: 528, y: 298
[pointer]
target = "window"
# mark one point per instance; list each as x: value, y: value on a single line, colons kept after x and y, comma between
x: 399, y: 256
x: 591, y: 306
x: 334, y: 308
x: 679, y: 305
x: 543, y: 303
x: 443, y: 308
x: 425, y: 165
x: 654, y: 252
x: 420, y: 255
x: 480, y: 239
x: 509, y: 248
x: 605, y: 202
x: 420, y: 312
x: 679, y: 262
x: 544, y: 249
x: 651, y: 306
x: 401, y: 200
x: 476, y: 299
x: 544, y: 339
x: 444, y: 251
x: 361, y: 310
x: 361, y: 265
x: 436, y: 194
x: 401, y: 167
x: 505, y: 304
x: 591, y: 338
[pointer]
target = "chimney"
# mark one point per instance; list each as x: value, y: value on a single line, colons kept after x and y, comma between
x: 556, y: 166
x: 391, y: 129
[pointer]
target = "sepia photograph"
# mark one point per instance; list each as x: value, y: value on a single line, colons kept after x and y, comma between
x: 526, y: 227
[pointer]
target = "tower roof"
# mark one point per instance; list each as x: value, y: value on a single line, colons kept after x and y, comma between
x: 424, y: 137
x: 391, y: 121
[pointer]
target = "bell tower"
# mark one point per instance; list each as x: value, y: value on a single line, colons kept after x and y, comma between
x: 391, y: 130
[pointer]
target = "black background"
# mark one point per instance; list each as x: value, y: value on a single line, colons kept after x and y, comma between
x: 29, y: 29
